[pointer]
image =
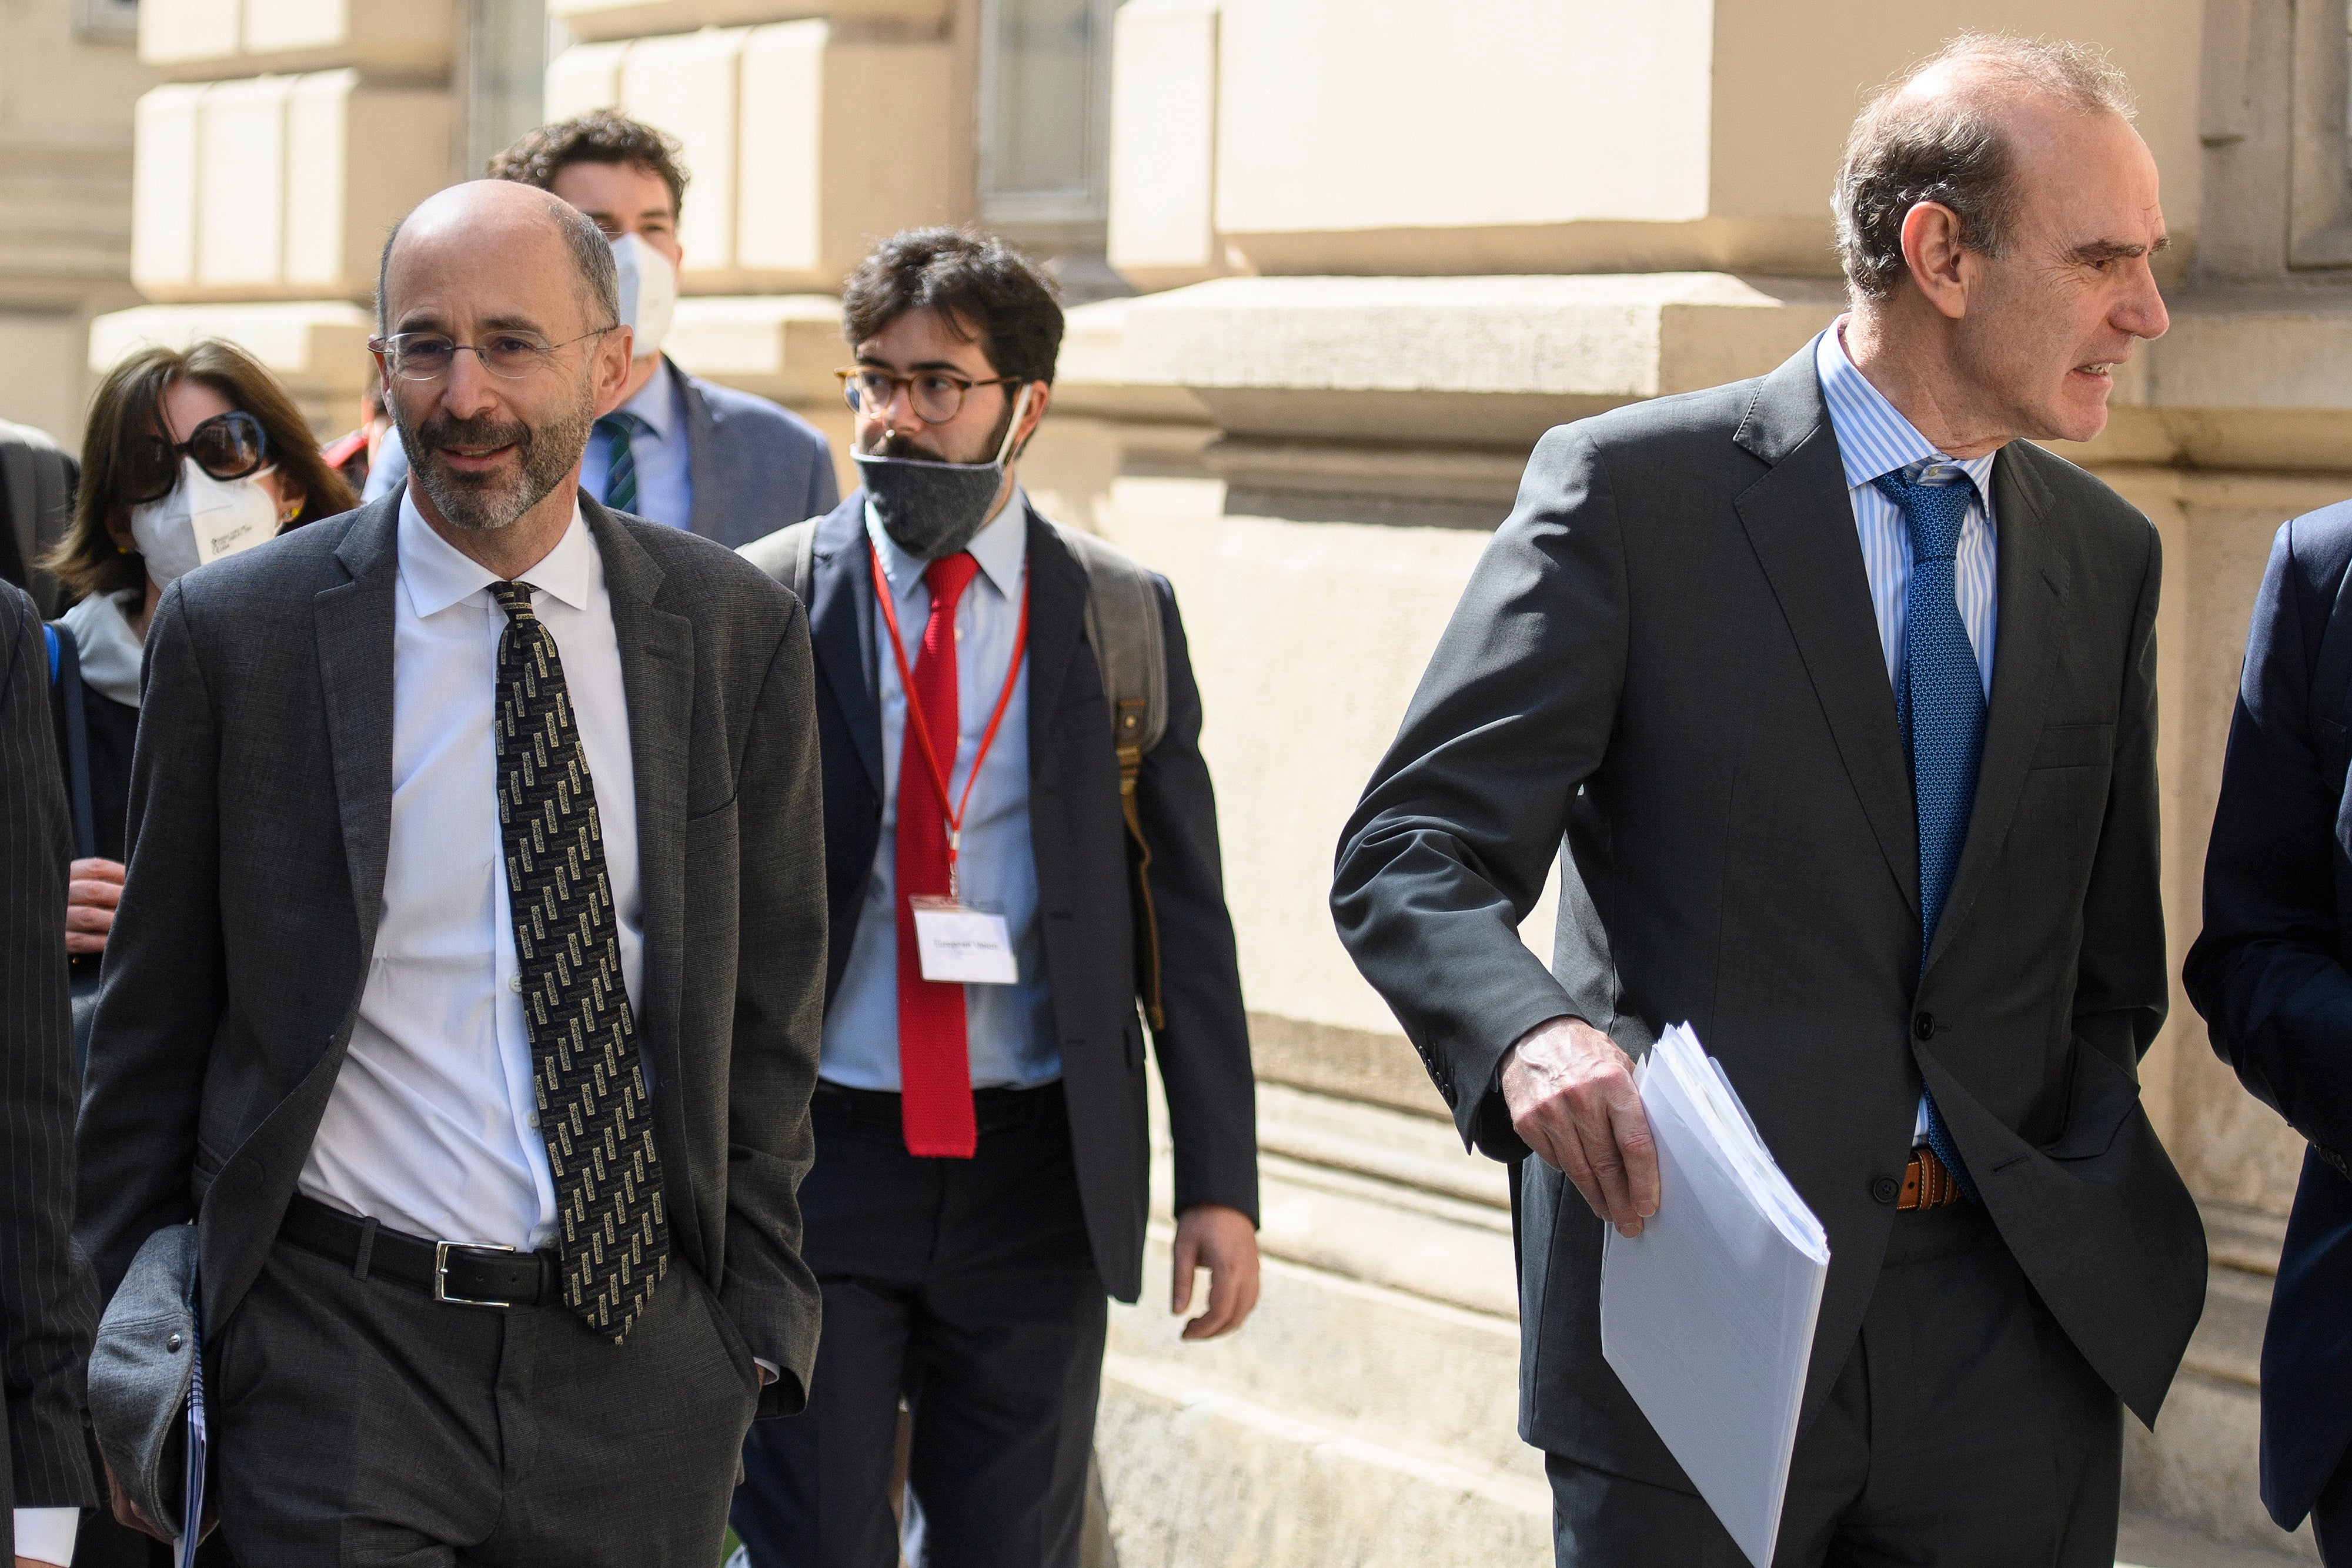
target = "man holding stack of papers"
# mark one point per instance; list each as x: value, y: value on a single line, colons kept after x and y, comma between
x: 1836, y: 700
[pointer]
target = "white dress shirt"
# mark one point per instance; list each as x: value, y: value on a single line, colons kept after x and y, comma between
x: 431, y: 1128
x: 1873, y: 438
x: 665, y: 458
x: 1008, y: 1029
x: 47, y: 1535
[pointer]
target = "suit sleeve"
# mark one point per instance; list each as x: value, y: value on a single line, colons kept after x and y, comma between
x: 2120, y: 990
x: 164, y: 975
x: 1203, y: 1052
x: 48, y: 1311
x: 2267, y: 972
x: 1457, y: 831
x: 778, y: 1014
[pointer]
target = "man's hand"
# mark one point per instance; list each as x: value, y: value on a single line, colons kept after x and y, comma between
x: 1572, y: 1099
x: 126, y: 1512
x: 1222, y: 1240
x: 95, y: 888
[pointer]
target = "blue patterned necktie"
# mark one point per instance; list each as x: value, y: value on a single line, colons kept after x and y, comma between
x: 1942, y: 706
x: 621, y: 460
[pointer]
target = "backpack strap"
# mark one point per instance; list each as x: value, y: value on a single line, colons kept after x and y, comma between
x: 73, y: 735
x: 1122, y: 625
x: 2331, y: 692
x: 789, y: 556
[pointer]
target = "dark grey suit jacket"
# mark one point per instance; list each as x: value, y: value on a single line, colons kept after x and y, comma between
x: 260, y: 817
x: 1668, y: 656
x: 48, y: 1311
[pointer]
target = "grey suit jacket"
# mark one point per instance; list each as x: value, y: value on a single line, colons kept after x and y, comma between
x: 756, y: 466
x: 260, y: 817
x: 47, y: 1312
x: 1668, y: 658
x: 37, y: 484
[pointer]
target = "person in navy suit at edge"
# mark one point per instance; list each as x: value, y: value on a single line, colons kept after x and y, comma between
x: 2272, y: 973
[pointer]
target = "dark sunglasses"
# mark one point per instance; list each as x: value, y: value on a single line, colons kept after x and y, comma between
x: 226, y: 446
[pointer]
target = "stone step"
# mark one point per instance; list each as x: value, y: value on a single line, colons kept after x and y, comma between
x: 1200, y: 1477
x: 1353, y: 1357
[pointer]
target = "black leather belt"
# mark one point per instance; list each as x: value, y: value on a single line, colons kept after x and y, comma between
x: 463, y: 1273
x: 992, y: 1109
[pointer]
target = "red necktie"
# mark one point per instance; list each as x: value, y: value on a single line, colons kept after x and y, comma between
x: 934, y: 1067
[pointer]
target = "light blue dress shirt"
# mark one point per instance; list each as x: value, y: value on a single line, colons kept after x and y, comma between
x: 1009, y: 1030
x: 1873, y: 438
x: 664, y: 463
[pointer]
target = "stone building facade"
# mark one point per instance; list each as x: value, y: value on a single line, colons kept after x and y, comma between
x: 70, y: 74
x: 1380, y: 246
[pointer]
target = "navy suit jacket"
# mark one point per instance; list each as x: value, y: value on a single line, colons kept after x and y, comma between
x: 756, y: 466
x: 2272, y: 973
x: 1083, y: 880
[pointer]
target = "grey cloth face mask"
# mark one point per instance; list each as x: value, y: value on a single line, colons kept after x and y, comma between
x: 931, y: 510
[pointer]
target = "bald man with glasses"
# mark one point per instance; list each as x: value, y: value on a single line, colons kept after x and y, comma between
x: 465, y: 985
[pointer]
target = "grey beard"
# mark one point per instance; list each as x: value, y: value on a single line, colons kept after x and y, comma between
x: 549, y: 452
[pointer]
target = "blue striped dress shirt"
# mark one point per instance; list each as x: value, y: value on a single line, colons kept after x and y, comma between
x: 1873, y: 438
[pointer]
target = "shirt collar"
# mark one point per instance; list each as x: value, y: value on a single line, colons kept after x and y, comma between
x: 1002, y: 549
x: 656, y: 402
x: 438, y: 575
x: 1873, y: 436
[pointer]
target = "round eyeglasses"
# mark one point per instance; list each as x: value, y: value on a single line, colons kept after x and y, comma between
x: 427, y: 356
x: 228, y: 447
x: 936, y: 397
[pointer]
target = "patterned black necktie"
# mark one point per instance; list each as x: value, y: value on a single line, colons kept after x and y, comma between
x: 592, y: 1112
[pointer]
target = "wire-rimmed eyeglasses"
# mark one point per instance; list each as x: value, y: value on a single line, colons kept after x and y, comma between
x: 510, y: 354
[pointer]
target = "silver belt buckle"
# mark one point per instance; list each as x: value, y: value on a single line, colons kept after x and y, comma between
x: 441, y: 1273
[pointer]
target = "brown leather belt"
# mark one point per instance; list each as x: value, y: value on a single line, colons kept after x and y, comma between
x: 1927, y: 1183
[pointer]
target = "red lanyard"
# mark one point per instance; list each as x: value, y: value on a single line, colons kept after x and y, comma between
x: 953, y: 811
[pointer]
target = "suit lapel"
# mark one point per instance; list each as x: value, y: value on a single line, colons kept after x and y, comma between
x: 841, y: 630
x: 1057, y: 609
x: 1800, y: 521
x: 354, y: 629
x: 710, y: 517
x: 658, y: 678
x: 2032, y: 587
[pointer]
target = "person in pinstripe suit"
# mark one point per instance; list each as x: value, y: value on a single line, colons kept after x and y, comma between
x: 48, y: 1311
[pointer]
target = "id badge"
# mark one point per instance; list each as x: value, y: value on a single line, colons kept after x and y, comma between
x: 960, y: 945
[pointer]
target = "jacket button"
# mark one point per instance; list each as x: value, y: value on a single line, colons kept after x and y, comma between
x: 1886, y: 1190
x: 172, y: 1342
x: 1922, y: 1025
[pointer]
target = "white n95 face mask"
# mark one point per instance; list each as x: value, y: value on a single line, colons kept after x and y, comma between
x: 202, y: 521
x: 648, y: 293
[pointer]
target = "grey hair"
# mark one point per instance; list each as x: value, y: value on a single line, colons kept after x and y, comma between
x: 597, y: 276
x: 1952, y: 148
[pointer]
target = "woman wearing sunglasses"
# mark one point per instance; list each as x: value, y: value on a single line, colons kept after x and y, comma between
x: 189, y: 456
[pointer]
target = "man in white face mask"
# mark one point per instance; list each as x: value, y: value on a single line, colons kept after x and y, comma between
x: 675, y: 449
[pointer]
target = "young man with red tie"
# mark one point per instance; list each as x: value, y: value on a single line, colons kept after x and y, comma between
x: 983, y: 1159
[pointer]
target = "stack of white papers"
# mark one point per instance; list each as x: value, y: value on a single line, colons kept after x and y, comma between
x: 1707, y: 1316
